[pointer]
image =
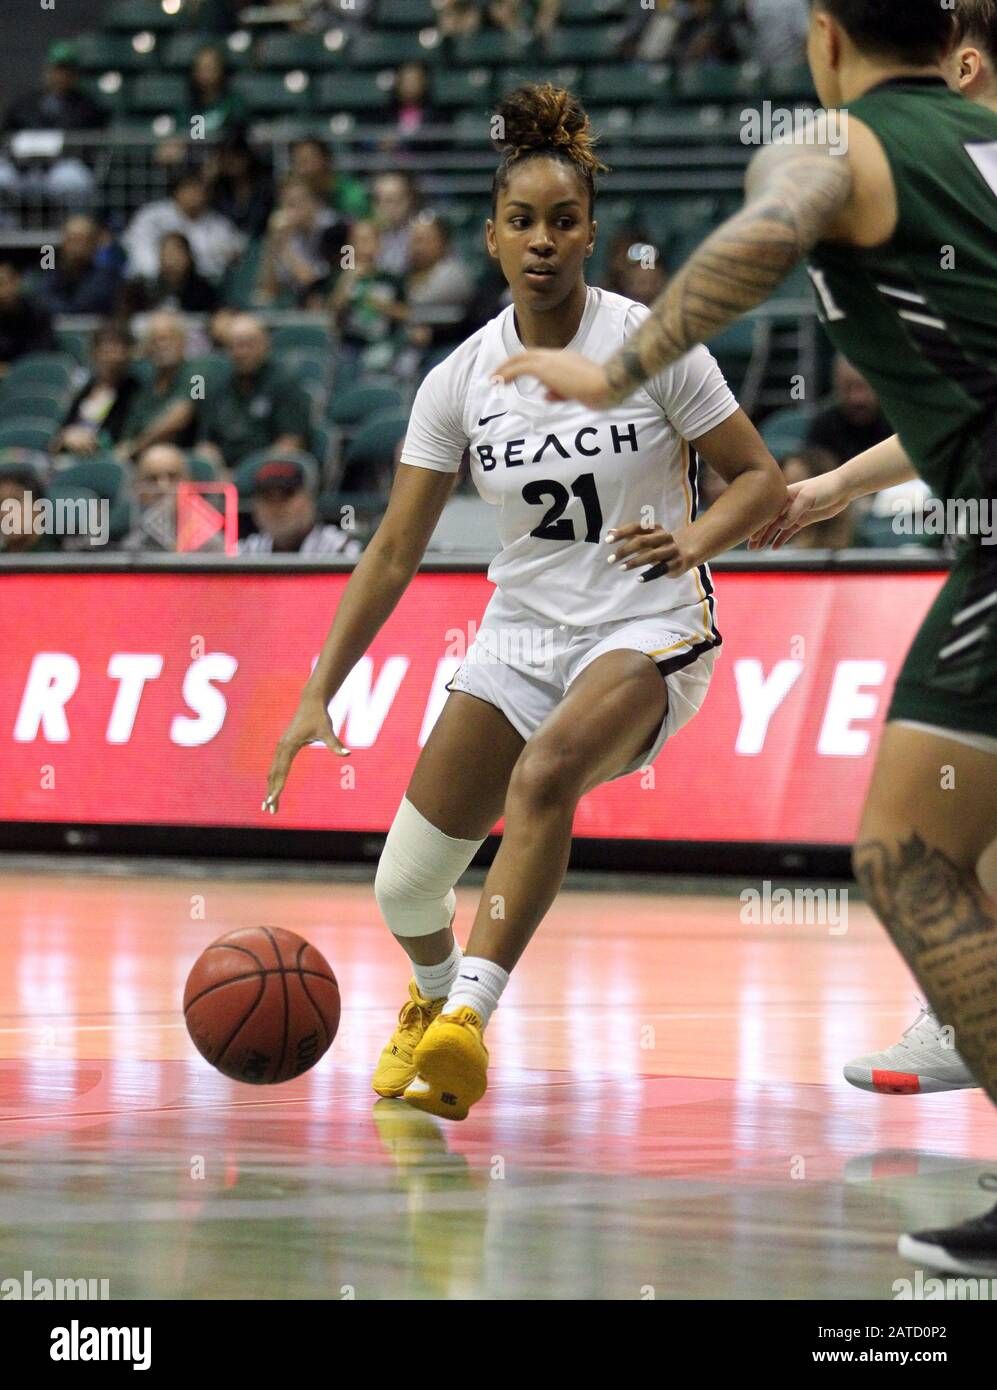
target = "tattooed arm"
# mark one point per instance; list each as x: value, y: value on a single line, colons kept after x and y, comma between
x: 795, y: 193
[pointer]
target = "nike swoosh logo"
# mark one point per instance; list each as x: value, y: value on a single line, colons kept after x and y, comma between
x: 471, y: 977
x: 485, y: 419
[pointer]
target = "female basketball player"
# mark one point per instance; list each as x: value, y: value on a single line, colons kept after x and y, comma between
x: 590, y: 655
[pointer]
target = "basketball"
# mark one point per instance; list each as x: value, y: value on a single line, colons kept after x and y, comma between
x: 261, y: 1005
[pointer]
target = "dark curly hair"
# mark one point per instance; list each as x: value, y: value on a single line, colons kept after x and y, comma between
x: 545, y: 122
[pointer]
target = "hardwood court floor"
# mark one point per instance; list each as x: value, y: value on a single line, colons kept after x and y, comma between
x: 665, y: 1111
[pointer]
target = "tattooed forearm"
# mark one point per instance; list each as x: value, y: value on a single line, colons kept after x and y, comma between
x: 796, y: 195
x: 944, y: 925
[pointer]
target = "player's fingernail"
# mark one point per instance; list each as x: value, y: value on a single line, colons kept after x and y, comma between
x: 610, y: 559
x: 610, y: 537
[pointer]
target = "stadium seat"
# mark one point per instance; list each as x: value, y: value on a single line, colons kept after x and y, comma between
x: 786, y: 82
x: 374, y: 445
x: 103, y: 475
x: 612, y: 122
x: 34, y: 407
x: 74, y: 343
x: 155, y: 93
x: 134, y: 16
x: 269, y: 93
x: 56, y: 369
x: 175, y: 52
x: 636, y: 84
x: 374, y: 50
x: 720, y: 83
x: 490, y: 47
x: 457, y: 87
x: 588, y: 44
x: 514, y: 75
x: 473, y: 128
x: 589, y: 11
x: 314, y: 336
x: 406, y: 14
x: 354, y: 406
x: 353, y: 91
x: 785, y: 430
x: 23, y: 432
x: 709, y: 125
x: 103, y: 52
x: 280, y: 52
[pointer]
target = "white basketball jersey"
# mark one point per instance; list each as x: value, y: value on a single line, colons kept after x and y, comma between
x: 562, y: 475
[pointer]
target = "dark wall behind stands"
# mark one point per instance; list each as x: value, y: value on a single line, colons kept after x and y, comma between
x: 27, y: 29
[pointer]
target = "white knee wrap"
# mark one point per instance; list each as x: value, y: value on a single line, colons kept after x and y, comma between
x: 416, y: 873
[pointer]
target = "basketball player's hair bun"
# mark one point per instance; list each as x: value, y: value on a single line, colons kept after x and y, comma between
x: 544, y: 117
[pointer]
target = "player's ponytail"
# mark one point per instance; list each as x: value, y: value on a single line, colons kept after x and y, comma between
x: 545, y: 121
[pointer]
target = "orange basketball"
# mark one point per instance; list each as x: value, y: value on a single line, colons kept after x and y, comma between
x: 261, y: 1005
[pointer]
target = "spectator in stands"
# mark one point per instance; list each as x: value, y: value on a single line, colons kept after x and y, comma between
x: 361, y: 301
x: 22, y: 482
x: 25, y: 325
x: 536, y: 17
x: 159, y: 471
x: 412, y: 111
x: 313, y: 161
x: 78, y: 283
x: 62, y: 105
x: 214, y: 241
x: 439, y: 287
x: 210, y: 96
x: 241, y: 186
x: 179, y: 284
x: 854, y: 421
x: 686, y: 32
x: 96, y: 416
x: 838, y: 532
x: 395, y: 204
x: 778, y: 31
x: 284, y: 489
x: 260, y: 407
x: 164, y: 409
x: 301, y: 250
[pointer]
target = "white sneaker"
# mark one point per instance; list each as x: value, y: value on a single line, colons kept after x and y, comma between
x: 923, y: 1061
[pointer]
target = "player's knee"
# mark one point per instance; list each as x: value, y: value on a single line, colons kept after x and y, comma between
x: 547, y: 772
x: 416, y: 873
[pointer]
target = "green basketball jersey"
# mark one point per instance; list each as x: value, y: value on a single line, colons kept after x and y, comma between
x: 918, y: 316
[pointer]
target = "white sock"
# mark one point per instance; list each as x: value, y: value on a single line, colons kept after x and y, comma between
x: 478, y: 986
x: 436, y: 981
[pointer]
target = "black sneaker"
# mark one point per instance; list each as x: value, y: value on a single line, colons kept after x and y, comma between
x: 967, y: 1249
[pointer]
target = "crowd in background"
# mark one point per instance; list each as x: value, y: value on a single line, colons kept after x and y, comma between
x: 368, y: 254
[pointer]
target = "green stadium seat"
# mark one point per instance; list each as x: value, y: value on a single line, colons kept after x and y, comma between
x: 720, y: 83
x: 133, y: 16
x: 74, y: 343
x: 282, y: 52
x: 473, y: 128
x: 374, y: 445
x: 202, y: 470
x: 406, y: 14
x: 26, y: 432
x: 635, y: 84
x: 568, y: 75
x: 156, y: 93
x: 354, y: 406
x: 34, y: 407
x: 490, y: 47
x: 175, y: 52
x: 301, y: 335
x: 735, y: 346
x: 104, y: 52
x: 590, y: 11
x: 43, y: 368
x: 694, y: 125
x: 588, y: 44
x: 104, y: 475
x: 457, y: 87
x: 352, y: 91
x: 239, y: 281
x: 787, y: 82
x: 374, y: 50
x: 785, y: 430
x: 612, y: 122
x: 269, y: 93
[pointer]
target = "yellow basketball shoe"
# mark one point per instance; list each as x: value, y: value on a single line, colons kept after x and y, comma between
x: 395, y: 1068
x: 452, y: 1066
